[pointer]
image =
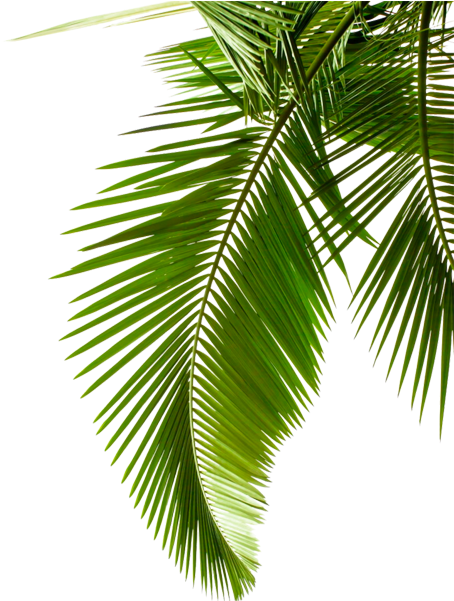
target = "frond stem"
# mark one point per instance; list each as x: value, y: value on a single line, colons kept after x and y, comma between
x: 251, y: 179
x: 313, y: 69
x: 422, y: 116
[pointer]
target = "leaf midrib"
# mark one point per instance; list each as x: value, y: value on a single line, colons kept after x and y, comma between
x: 423, y: 127
x: 313, y: 69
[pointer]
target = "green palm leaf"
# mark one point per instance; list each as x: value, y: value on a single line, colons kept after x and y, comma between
x: 223, y: 300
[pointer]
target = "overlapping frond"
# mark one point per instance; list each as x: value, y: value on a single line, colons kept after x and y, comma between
x: 398, y: 102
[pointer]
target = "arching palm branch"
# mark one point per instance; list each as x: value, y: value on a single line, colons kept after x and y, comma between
x: 223, y: 293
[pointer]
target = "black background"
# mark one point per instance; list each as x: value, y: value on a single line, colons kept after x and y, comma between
x: 362, y: 476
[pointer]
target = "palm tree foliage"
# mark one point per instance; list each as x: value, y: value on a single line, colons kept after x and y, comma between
x: 221, y: 294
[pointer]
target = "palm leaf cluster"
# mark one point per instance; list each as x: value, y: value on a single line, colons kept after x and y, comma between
x: 221, y: 299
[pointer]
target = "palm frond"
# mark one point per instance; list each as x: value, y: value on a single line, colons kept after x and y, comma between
x: 228, y: 306
x: 397, y: 101
x: 241, y: 379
